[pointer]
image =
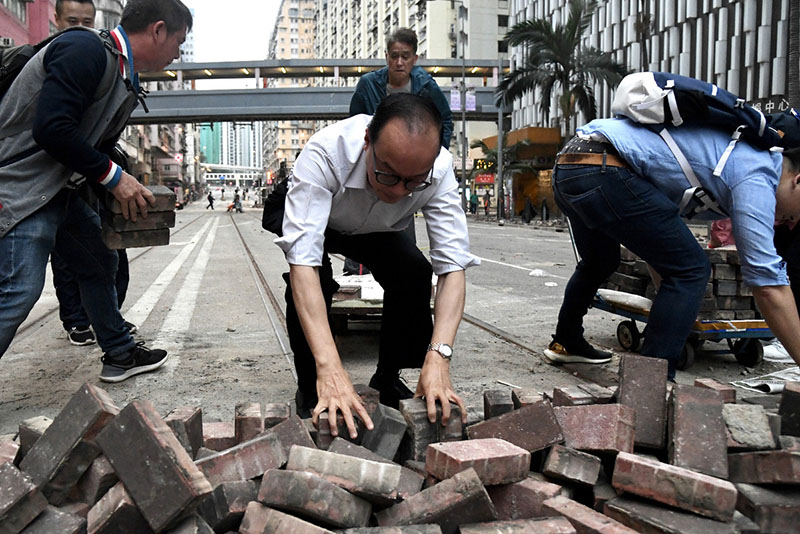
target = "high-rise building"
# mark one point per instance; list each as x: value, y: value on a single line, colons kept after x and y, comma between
x: 25, y: 22
x: 108, y: 13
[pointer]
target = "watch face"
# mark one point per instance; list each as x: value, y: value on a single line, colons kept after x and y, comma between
x: 445, y: 350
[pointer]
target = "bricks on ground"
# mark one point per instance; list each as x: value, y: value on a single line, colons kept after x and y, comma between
x: 643, y: 387
x: 696, y: 425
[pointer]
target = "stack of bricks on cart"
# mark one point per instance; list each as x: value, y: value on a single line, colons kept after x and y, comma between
x: 642, y: 457
x: 153, y: 230
x: 726, y: 297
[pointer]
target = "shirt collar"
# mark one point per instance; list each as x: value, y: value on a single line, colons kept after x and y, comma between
x: 123, y: 44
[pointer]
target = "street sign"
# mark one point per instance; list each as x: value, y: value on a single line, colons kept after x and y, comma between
x: 484, y: 179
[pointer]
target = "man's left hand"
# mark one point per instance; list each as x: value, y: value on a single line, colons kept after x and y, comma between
x: 434, y: 385
x: 133, y: 197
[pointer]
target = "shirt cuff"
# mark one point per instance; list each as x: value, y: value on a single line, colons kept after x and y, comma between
x: 111, y: 177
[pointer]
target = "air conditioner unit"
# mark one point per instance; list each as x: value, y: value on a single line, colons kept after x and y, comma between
x: 6, y: 42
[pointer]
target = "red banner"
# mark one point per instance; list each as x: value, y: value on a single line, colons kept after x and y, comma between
x: 484, y: 179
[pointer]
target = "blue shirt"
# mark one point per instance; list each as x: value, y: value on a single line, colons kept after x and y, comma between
x: 746, y: 189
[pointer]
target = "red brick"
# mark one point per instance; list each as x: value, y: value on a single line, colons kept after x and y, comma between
x: 495, y: 461
x: 373, y: 481
x: 652, y: 518
x: 371, y: 397
x: 164, y: 200
x: 601, y: 494
x: 187, y: 424
x: 194, y: 524
x: 115, y: 513
x: 582, y: 394
x: 276, y: 412
x: 248, y: 421
x: 532, y: 427
x: 549, y: 525
x: 525, y: 397
x: 747, y: 427
x: 767, y: 467
x: 9, y: 452
x: 154, y: 221
x: 727, y: 391
x: 597, y: 427
x: 789, y: 409
x: 410, y: 481
x: 643, y: 387
x: 146, y: 454
x: 313, y: 498
x: 96, y: 481
x: 66, y: 450
x: 697, y: 431
x: 459, y: 500
x: 75, y: 508
x: 775, y: 510
x: 675, y: 486
x: 292, y: 432
x: 568, y: 464
x: 496, y: 402
x: 422, y: 432
x: 523, y: 499
x: 224, y: 507
x: 388, y: 432
x: 134, y: 239
x: 30, y: 430
x: 260, y: 519
x: 790, y: 443
x: 408, y: 529
x: 244, y: 461
x: 55, y: 521
x: 584, y: 519
x: 219, y: 436
x: 20, y: 500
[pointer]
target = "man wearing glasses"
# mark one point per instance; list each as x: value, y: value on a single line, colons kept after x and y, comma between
x: 353, y: 189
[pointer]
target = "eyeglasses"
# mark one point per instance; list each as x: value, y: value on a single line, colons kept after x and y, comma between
x: 411, y: 184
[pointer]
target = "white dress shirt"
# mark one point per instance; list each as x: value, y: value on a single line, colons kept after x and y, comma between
x: 329, y: 189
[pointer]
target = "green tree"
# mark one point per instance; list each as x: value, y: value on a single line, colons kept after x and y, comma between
x: 555, y: 58
x: 793, y: 74
x: 512, y: 163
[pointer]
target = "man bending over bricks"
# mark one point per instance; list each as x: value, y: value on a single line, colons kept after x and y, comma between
x: 619, y: 183
x: 58, y: 122
x: 354, y: 188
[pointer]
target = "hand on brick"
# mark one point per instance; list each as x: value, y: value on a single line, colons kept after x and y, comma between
x: 133, y: 197
x: 335, y: 393
x: 434, y: 385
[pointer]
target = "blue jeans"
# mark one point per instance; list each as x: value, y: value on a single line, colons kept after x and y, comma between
x: 613, y: 206
x: 71, y: 228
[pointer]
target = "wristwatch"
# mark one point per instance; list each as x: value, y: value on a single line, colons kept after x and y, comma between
x: 445, y: 350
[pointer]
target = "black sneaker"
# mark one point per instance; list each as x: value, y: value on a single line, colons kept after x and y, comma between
x: 136, y: 361
x: 81, y: 336
x: 392, y: 388
x: 580, y: 352
x: 132, y: 328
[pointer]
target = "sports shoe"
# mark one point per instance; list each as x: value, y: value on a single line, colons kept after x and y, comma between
x: 580, y: 352
x: 132, y: 328
x: 774, y: 352
x: 136, y: 361
x: 392, y: 388
x: 81, y: 336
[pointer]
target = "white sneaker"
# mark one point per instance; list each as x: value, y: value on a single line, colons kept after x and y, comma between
x: 774, y: 352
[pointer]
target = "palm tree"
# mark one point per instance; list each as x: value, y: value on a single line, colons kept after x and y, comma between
x: 512, y: 164
x: 556, y: 57
x: 793, y: 74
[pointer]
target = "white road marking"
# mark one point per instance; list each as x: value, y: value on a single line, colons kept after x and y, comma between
x: 527, y: 269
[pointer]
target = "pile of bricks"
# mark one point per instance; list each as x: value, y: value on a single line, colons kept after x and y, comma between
x: 726, y: 297
x: 580, y: 460
x: 119, y: 232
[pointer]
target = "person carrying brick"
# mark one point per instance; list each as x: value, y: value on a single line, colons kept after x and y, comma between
x: 619, y: 183
x: 353, y: 190
x: 59, y: 120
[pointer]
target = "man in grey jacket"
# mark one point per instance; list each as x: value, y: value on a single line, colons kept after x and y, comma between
x: 58, y: 120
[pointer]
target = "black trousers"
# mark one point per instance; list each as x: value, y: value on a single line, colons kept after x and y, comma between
x: 405, y: 276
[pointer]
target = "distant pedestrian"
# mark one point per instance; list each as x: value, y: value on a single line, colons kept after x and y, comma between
x: 487, y: 203
x: 473, y: 203
x: 210, y: 198
x: 237, y: 203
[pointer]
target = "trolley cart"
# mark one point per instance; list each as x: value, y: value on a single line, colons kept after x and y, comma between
x: 741, y: 335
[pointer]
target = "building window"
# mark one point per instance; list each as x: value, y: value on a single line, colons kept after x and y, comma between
x: 502, y: 20
x: 502, y: 47
x: 18, y: 8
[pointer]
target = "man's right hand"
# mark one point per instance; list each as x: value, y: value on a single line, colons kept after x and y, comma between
x: 133, y: 197
x: 335, y: 392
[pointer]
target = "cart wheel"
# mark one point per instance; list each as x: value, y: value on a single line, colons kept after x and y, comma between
x: 629, y: 336
x: 687, y: 357
x: 748, y: 352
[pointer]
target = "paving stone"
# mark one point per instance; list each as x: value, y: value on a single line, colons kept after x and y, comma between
x: 96, y: 481
x: 371, y: 397
x: 410, y: 481
x: 524, y: 397
x: 790, y: 443
x: 523, y: 499
x: 324, y: 438
x: 387, y: 434
x: 66, y: 450
x: 533, y: 427
x: 194, y: 524
x: 584, y: 519
x: 260, y: 519
x: 224, y: 508
x: 30, y: 430
x: 775, y: 510
x: 548, y: 525
x: 54, y: 521
x: 219, y: 436
x: 20, y: 500
x: 146, y: 454
x: 276, y: 412
x: 789, y: 409
x: 697, y: 431
x: 601, y: 494
x: 496, y: 461
x: 409, y: 529
x: 421, y: 432
x: 292, y: 432
x: 767, y: 467
x: 202, y: 452
x: 245, y: 461
x: 134, y: 239
x: 643, y: 387
x: 373, y: 481
x: 769, y: 402
x: 748, y: 427
x: 313, y: 498
x: 496, y: 402
x: 155, y: 221
x: 644, y: 516
x: 597, y: 427
x: 9, y: 452
x: 459, y: 500
x: 248, y: 421
x: 186, y: 423
x: 116, y: 513
x: 75, y: 508
x: 582, y: 394
x: 675, y: 486
x: 568, y: 464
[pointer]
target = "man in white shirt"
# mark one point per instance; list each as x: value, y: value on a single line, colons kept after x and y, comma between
x: 353, y: 189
